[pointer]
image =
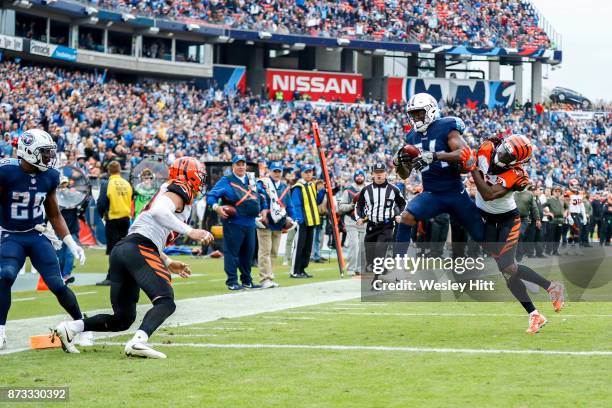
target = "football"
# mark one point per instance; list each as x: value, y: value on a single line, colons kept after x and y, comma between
x: 411, y: 150
x: 230, y: 210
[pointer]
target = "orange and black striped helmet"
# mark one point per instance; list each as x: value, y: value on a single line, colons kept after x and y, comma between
x: 513, y: 150
x: 190, y: 171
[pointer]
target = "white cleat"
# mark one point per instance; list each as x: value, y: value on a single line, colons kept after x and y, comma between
x: 84, y: 339
x: 3, y: 343
x: 140, y: 349
x: 267, y: 284
x: 67, y: 337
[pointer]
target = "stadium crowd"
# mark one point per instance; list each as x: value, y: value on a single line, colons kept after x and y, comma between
x: 459, y: 22
x: 98, y: 120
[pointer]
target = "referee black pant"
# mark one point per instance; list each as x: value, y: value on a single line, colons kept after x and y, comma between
x: 377, y: 239
x: 302, y: 247
x: 115, y: 230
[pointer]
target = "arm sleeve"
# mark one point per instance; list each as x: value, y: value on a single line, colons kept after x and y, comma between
x: 296, y: 199
x: 163, y: 210
x: 102, y: 203
x: 399, y: 199
x: 216, y: 192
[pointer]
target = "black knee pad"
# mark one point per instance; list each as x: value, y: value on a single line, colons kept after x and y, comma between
x: 167, y: 303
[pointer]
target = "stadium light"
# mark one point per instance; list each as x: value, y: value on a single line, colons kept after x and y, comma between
x: 109, y: 23
x: 91, y: 11
x: 298, y: 46
x: 128, y: 17
x: 49, y: 1
x: 153, y: 30
x: 264, y: 35
x: 343, y: 42
x: 192, y: 27
x: 426, y: 47
x: 223, y: 39
x: 22, y: 4
x: 250, y: 42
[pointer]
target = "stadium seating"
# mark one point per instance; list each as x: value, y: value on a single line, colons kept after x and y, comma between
x: 458, y: 22
x: 100, y: 119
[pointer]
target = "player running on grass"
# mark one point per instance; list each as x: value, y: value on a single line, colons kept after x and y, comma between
x: 444, y: 154
x: 498, y: 176
x: 27, y: 195
x: 138, y: 262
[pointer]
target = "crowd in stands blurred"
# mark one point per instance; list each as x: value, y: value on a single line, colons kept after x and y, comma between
x: 97, y: 120
x: 510, y: 23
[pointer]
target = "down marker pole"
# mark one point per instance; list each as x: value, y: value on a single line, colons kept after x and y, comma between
x: 330, y: 197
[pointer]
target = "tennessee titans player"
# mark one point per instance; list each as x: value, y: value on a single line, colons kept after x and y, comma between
x: 444, y: 155
x: 27, y: 193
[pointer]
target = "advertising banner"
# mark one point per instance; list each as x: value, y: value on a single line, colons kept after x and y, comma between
x: 470, y: 92
x: 11, y: 43
x: 53, y: 51
x: 317, y: 85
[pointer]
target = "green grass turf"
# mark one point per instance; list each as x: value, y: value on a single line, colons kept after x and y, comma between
x: 213, y: 283
x: 215, y: 377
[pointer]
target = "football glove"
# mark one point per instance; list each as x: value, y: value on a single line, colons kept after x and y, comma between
x: 424, y: 160
x: 401, y: 158
x: 468, y: 159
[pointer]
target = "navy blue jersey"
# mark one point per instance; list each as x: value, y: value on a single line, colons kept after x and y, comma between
x: 23, y: 195
x: 439, y: 176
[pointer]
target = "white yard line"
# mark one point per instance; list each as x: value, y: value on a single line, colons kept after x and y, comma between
x: 93, y: 292
x: 375, y: 313
x: 206, y: 309
x: 379, y: 348
x: 184, y: 335
x: 24, y: 299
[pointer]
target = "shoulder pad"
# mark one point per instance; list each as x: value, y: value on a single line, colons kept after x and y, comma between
x: 182, y: 190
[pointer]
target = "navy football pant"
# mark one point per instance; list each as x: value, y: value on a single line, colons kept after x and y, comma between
x: 14, y: 248
x: 460, y: 206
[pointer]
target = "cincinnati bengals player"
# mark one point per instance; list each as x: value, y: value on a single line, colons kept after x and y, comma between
x: 498, y: 175
x: 138, y: 262
x: 578, y: 217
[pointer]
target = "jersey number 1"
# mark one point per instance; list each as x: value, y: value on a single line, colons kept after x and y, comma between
x: 21, y: 205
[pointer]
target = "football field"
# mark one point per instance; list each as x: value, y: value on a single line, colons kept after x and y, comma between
x: 318, y: 345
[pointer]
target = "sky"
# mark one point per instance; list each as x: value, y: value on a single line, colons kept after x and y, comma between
x: 586, y: 29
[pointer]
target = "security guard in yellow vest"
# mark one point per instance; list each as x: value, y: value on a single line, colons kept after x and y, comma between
x: 304, y: 198
x: 115, y: 206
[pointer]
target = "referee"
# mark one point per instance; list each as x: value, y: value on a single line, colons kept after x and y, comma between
x: 379, y: 204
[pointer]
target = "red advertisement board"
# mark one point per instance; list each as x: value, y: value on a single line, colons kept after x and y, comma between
x: 318, y: 85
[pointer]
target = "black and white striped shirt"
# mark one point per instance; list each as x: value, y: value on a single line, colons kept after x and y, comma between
x: 380, y: 202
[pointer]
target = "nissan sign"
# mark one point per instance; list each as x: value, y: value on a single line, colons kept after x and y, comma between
x: 317, y: 85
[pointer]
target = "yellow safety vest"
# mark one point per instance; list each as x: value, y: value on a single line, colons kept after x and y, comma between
x: 309, y: 200
x: 119, y: 193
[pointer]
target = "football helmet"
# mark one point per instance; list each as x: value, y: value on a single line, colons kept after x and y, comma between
x: 574, y: 185
x: 512, y: 151
x: 190, y: 171
x: 423, y: 110
x: 36, y: 147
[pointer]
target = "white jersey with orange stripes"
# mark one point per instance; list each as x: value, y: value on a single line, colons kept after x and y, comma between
x: 576, y: 205
x: 148, y: 227
x: 506, y: 179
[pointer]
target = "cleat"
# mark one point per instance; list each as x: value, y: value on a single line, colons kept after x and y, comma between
x: 536, y: 322
x: 556, y: 292
x: 140, y: 349
x: 66, y: 336
x: 3, y: 343
x: 267, y: 284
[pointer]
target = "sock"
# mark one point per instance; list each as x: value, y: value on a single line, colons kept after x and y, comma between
x: 5, y: 299
x: 162, y: 309
x: 140, y: 337
x: 66, y: 298
x: 404, y: 233
x: 518, y: 289
x: 2, y: 332
x: 76, y: 325
x: 528, y: 274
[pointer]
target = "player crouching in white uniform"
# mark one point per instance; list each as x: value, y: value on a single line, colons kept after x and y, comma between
x: 138, y: 262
